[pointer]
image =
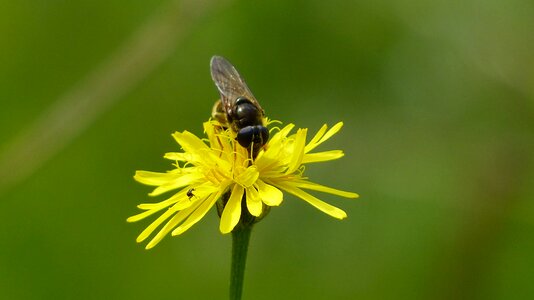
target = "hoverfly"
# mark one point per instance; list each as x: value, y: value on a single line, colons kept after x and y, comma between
x: 238, y: 109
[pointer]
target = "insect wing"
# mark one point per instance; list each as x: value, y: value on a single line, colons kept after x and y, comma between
x: 230, y: 84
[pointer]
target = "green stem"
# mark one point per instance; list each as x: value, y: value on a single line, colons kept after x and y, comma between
x: 240, y: 238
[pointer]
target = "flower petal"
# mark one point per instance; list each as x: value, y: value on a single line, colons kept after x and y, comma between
x: 321, y: 188
x: 178, y: 182
x: 180, y: 201
x: 142, y: 215
x: 335, y: 129
x: 322, y: 156
x: 198, y: 214
x: 189, y: 142
x: 322, y: 206
x: 180, y: 196
x: 182, y: 204
x: 269, y: 194
x: 254, y: 204
x: 173, y: 222
x: 148, y: 231
x: 179, y: 156
x: 232, y: 210
x: 218, y: 137
x: 282, y: 134
x: 200, y: 191
x: 156, y: 178
x: 298, y: 151
x: 248, y: 177
x: 316, y: 138
x: 275, y: 143
x: 313, y: 144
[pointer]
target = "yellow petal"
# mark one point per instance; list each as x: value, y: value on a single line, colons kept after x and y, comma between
x: 148, y: 231
x: 316, y: 138
x: 179, y: 201
x: 269, y: 194
x: 189, y: 142
x: 181, y: 195
x: 248, y: 177
x: 282, y: 134
x: 322, y: 156
x: 173, y: 222
x: 321, y: 188
x: 254, y: 204
x: 322, y: 206
x: 199, y: 191
x: 275, y: 150
x: 210, y: 132
x: 219, y: 138
x: 214, y: 159
x: 178, y: 182
x: 326, y: 136
x: 156, y: 178
x: 335, y: 129
x: 274, y: 144
x: 179, y: 156
x: 141, y: 216
x: 232, y: 210
x: 197, y: 214
x: 298, y: 151
x: 176, y: 207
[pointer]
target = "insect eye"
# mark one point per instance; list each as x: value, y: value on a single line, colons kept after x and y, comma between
x: 252, y: 134
x: 245, y: 136
x: 264, y: 132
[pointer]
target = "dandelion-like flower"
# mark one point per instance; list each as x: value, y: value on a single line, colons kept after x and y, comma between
x: 209, y: 169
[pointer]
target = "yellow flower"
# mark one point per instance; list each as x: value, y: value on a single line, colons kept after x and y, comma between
x: 205, y: 171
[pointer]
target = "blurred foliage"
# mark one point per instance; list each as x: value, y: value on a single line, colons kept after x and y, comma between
x: 437, y: 100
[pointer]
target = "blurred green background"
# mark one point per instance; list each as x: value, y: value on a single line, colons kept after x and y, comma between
x: 437, y: 100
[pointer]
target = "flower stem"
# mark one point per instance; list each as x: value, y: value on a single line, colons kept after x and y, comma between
x: 240, y: 238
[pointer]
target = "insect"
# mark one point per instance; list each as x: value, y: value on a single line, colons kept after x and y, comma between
x: 190, y: 193
x: 238, y: 109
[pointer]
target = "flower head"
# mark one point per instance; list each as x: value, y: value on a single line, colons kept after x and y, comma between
x: 208, y: 170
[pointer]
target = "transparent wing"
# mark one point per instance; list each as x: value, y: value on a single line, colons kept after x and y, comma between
x: 230, y: 84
